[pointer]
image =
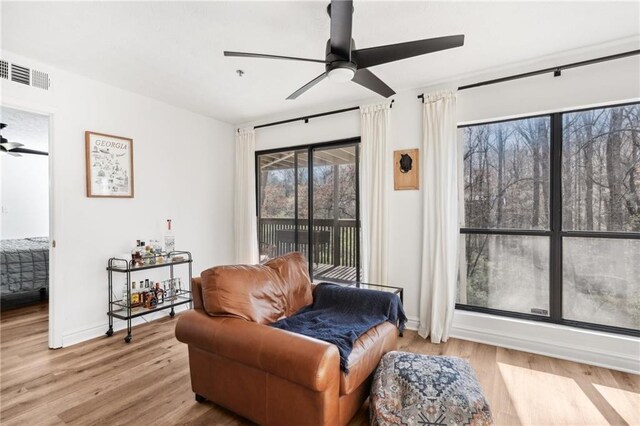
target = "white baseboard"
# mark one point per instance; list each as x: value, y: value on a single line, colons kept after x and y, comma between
x: 412, y: 323
x: 98, y: 330
x: 601, y: 349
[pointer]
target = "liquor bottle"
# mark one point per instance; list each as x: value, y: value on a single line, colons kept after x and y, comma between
x: 135, y: 296
x: 169, y: 239
x: 136, y: 254
x: 159, y: 294
x: 174, y: 292
x: 165, y: 290
x: 153, y: 301
x: 140, y: 293
x: 146, y: 283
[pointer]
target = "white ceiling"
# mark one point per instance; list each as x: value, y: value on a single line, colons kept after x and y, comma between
x: 29, y: 129
x: 172, y: 51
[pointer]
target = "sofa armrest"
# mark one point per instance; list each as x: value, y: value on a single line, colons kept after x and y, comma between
x: 308, y: 362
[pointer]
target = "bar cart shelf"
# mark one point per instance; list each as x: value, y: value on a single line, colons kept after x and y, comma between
x: 122, y: 310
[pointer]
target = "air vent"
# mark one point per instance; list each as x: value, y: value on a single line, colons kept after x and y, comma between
x: 20, y: 74
x: 24, y: 75
x: 40, y: 79
x: 4, y: 69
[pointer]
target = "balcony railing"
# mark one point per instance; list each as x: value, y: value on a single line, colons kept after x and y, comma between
x: 335, y: 245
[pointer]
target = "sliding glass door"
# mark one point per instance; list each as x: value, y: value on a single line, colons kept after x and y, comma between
x: 282, y: 202
x: 335, y: 236
x: 321, y: 219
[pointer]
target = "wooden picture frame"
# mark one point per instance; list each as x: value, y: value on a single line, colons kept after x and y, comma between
x: 109, y: 165
x: 406, y: 169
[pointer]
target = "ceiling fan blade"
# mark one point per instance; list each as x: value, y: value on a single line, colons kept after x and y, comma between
x: 263, y: 56
x: 394, y: 52
x: 12, y: 153
x: 341, y: 19
x: 10, y: 146
x: 27, y: 151
x: 307, y: 86
x: 369, y: 80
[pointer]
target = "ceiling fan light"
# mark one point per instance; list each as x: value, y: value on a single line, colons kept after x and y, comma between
x: 341, y: 75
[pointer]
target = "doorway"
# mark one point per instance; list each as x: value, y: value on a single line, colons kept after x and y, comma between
x: 25, y: 213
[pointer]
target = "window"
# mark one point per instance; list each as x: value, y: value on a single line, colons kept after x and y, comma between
x: 320, y: 220
x: 601, y: 200
x: 507, y: 239
x: 552, y: 218
x: 507, y: 174
x: 601, y: 170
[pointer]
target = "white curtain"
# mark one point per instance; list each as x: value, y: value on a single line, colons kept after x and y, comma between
x: 245, y: 226
x: 441, y: 159
x: 375, y: 167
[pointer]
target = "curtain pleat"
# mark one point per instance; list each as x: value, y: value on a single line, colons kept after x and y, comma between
x: 374, y: 177
x: 245, y: 218
x: 440, y: 240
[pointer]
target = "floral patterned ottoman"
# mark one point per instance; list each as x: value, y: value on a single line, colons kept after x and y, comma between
x: 413, y: 389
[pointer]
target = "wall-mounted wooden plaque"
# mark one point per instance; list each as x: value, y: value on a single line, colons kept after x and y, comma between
x: 406, y: 170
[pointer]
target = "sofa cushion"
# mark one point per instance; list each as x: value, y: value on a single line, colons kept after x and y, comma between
x: 366, y: 354
x: 251, y: 292
x: 294, y: 271
x: 258, y: 293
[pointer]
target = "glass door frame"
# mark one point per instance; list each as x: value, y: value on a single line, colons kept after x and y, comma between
x: 310, y: 149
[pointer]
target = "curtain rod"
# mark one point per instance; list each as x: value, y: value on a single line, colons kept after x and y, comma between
x: 557, y: 71
x: 306, y: 118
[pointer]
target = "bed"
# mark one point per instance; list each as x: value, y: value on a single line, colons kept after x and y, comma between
x: 24, y: 267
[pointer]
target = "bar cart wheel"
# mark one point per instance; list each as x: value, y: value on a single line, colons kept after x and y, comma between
x: 109, y: 332
x: 128, y: 338
x: 172, y: 313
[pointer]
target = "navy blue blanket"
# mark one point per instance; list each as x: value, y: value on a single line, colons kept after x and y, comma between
x: 340, y: 315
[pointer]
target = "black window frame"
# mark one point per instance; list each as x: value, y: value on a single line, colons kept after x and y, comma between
x: 555, y: 231
x: 310, y: 148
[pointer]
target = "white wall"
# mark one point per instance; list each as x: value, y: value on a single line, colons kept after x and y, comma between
x: 24, y: 185
x: 183, y: 170
x: 597, y: 84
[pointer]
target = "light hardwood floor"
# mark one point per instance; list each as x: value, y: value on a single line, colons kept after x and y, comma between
x: 105, y: 381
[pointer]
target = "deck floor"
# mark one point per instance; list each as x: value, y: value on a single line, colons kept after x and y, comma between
x: 322, y: 271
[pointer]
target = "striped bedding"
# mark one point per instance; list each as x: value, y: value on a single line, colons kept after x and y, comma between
x: 24, y: 265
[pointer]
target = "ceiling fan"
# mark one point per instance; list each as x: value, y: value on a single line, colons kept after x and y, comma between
x: 14, y: 148
x: 344, y: 62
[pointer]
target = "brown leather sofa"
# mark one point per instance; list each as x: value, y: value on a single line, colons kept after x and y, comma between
x: 268, y: 375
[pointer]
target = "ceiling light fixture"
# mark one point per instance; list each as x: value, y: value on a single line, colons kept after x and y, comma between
x: 341, y: 75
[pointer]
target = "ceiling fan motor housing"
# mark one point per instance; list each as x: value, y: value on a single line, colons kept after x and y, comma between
x: 337, y: 68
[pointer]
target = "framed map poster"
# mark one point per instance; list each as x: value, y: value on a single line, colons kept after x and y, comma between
x: 109, y: 165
